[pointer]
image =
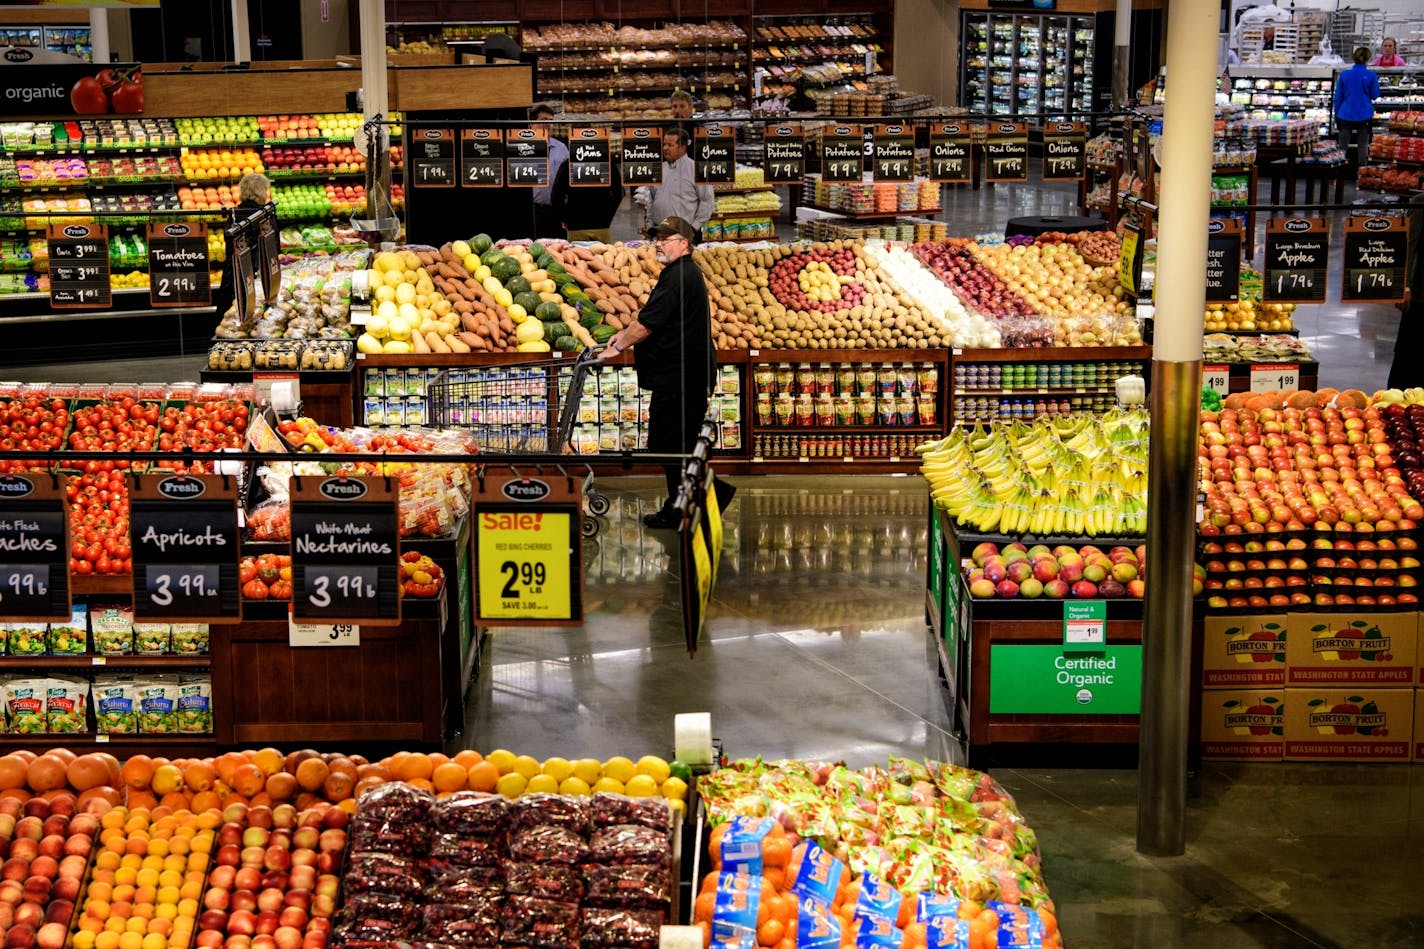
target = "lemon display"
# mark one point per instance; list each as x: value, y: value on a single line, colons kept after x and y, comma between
x: 512, y: 784
x: 619, y: 769
x: 526, y: 765
x: 501, y: 759
x: 654, y: 767
x: 607, y: 785
x: 674, y: 789
x: 558, y: 768
x: 575, y: 787
x: 641, y: 785
x: 542, y: 784
x: 588, y: 770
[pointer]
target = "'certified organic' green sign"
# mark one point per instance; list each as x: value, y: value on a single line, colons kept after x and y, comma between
x: 1043, y: 680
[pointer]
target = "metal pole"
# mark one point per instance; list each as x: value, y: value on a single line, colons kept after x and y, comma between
x: 376, y: 100
x: 1175, y: 406
x: 99, y: 34
x: 241, y: 33
x: 1122, y: 33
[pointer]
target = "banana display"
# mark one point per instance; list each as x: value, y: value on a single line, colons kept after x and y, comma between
x: 1056, y: 476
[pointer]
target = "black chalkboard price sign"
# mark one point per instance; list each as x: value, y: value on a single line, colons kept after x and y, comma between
x: 951, y: 156
x: 345, y: 551
x: 79, y: 266
x: 1297, y: 252
x: 715, y: 154
x: 178, y: 265
x: 894, y: 153
x: 1223, y: 260
x: 590, y: 161
x: 1006, y: 152
x: 526, y: 157
x: 185, y: 548
x: 34, y: 549
x: 842, y: 153
x: 642, y: 156
x: 784, y: 148
x: 431, y: 158
x: 1376, y: 252
x: 481, y: 158
x: 1065, y: 151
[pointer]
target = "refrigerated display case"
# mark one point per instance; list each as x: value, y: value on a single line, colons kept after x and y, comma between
x: 1013, y: 64
x: 70, y: 40
x: 29, y: 37
x: 1285, y: 92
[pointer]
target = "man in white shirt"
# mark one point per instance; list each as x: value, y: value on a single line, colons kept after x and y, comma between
x: 679, y: 195
x: 546, y: 222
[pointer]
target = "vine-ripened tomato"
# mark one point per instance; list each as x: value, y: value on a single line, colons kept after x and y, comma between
x: 31, y: 424
x: 99, y: 521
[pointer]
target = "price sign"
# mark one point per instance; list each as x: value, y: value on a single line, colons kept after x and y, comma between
x: 715, y: 154
x: 527, y: 551
x: 526, y: 157
x: 345, y: 550
x: 1085, y: 626
x: 1065, y: 151
x: 1006, y: 152
x: 1223, y: 260
x: 304, y: 635
x: 642, y: 156
x: 784, y: 160
x: 1275, y: 376
x: 1297, y: 251
x: 1129, y: 262
x: 431, y: 158
x: 590, y: 162
x: 481, y: 158
x: 185, y: 548
x: 842, y: 153
x: 34, y: 548
x: 1217, y: 377
x: 79, y: 266
x: 269, y: 247
x: 178, y: 265
x: 894, y: 154
x: 950, y: 152
x: 1376, y: 250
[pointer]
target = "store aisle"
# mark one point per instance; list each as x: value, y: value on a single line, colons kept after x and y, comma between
x: 816, y: 648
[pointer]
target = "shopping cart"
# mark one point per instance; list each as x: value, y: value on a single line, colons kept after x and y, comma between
x: 520, y: 408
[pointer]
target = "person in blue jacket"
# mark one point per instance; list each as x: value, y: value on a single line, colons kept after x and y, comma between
x: 1356, y: 90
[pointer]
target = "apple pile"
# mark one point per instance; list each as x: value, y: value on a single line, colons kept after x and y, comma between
x: 345, y: 199
x: 1371, y: 571
x: 45, y: 846
x: 1083, y: 572
x: 285, y: 128
x: 275, y: 877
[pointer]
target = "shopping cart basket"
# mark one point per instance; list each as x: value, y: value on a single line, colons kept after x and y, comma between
x: 520, y: 408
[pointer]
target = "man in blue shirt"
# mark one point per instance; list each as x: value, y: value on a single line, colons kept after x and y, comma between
x: 546, y: 219
x: 1355, y: 93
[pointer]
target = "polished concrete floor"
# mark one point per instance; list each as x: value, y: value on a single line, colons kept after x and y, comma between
x: 816, y: 648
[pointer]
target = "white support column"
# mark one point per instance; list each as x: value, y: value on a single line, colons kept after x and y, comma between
x: 99, y: 34
x: 241, y: 35
x: 376, y: 98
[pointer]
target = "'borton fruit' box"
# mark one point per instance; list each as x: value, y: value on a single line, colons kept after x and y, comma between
x: 1244, y: 652
x: 1352, y: 648
x: 1243, y: 725
x: 1354, y: 723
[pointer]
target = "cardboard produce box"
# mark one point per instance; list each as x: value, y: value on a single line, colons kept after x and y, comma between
x: 1352, y: 648
x: 1419, y: 725
x: 1243, y: 725
x: 1355, y: 723
x: 1244, y: 652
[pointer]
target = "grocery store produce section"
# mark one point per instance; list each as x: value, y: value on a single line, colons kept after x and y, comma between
x: 258, y: 848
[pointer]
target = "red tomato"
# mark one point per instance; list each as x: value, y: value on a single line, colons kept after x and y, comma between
x: 128, y: 97
x: 88, y: 98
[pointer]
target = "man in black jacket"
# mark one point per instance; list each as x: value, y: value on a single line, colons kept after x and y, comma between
x: 674, y: 357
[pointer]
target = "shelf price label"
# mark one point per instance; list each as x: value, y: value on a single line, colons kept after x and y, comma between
x: 1065, y: 151
x: 306, y: 635
x: 481, y: 158
x: 1085, y: 626
x: 79, y: 266
x: 1376, y: 250
x: 715, y: 154
x: 528, y: 551
x: 1275, y: 376
x: 34, y: 549
x: 1223, y: 260
x: 178, y: 265
x: 526, y: 157
x: 842, y: 153
x: 345, y: 551
x: 1297, y: 252
x: 951, y: 156
x: 1006, y: 152
x: 590, y: 160
x: 642, y: 156
x: 1217, y: 377
x: 185, y: 548
x: 431, y: 158
x: 894, y: 153
x: 784, y: 148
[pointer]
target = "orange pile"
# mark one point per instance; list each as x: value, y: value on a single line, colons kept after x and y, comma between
x: 219, y: 163
x: 208, y: 199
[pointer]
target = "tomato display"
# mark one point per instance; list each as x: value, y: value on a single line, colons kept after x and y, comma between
x: 125, y: 424
x: 31, y: 424
x: 99, y: 521
x: 201, y: 426
x: 420, y: 576
x: 265, y: 577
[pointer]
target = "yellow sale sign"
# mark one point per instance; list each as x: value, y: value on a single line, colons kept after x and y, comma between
x: 525, y: 565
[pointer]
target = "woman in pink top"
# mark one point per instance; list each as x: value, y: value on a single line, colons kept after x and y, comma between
x: 1388, y: 56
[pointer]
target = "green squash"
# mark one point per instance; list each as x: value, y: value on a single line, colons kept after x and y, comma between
x: 506, y: 268
x: 530, y: 301
x: 548, y: 311
x: 481, y: 243
x: 553, y: 329
x: 491, y: 257
x: 603, y: 333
